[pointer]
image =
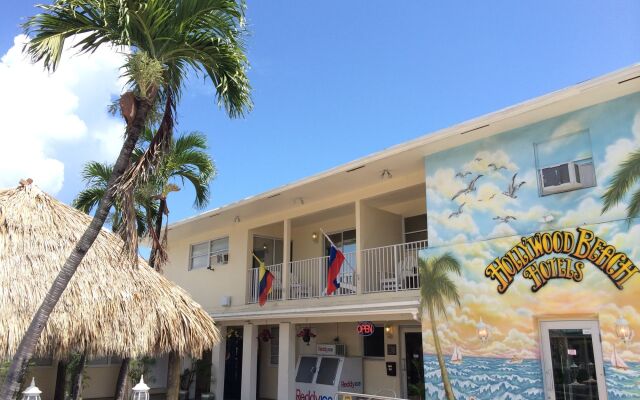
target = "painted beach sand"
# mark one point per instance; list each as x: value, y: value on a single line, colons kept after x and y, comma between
x: 484, y: 378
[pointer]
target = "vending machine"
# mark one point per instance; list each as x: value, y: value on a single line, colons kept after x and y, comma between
x: 319, y: 377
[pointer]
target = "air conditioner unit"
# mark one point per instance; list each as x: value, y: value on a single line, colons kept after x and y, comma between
x: 567, y: 176
x: 334, y: 349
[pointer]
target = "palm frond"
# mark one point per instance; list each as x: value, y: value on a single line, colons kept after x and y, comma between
x: 88, y: 199
x: 633, y: 209
x: 625, y: 176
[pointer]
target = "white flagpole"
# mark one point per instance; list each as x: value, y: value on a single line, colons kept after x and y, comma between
x: 345, y: 259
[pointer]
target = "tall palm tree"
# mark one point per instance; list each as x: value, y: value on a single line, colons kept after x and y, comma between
x: 623, y: 180
x: 436, y: 290
x: 167, y: 38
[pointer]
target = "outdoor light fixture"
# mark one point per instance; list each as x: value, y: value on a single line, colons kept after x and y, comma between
x: 140, y: 391
x: 314, y: 236
x: 483, y: 331
x: 388, y: 330
x: 623, y: 330
x: 386, y: 174
x: 32, y: 392
x: 236, y: 219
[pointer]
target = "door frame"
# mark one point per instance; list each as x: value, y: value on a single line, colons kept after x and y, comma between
x: 402, y: 355
x: 545, y: 351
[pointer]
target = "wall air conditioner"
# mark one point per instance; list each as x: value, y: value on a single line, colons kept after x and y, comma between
x: 567, y: 176
x: 334, y: 349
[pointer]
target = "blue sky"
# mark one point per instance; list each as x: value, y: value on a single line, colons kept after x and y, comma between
x: 336, y: 80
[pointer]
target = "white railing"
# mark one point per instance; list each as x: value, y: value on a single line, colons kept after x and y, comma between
x: 254, y: 283
x: 308, y: 278
x: 391, y: 268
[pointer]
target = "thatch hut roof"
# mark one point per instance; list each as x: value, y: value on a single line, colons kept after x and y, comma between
x: 110, y: 305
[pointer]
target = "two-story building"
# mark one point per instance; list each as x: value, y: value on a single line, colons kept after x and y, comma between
x: 548, y: 291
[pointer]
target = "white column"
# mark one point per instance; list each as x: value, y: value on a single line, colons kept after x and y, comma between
x: 249, y: 361
x: 286, y: 361
x: 286, y: 259
x: 359, y: 235
x: 218, y: 356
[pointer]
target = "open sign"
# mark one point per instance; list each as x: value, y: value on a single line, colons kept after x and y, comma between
x: 366, y: 328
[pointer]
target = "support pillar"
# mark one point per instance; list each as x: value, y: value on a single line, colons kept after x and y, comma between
x: 218, y: 355
x: 286, y: 361
x: 249, y: 362
x: 286, y: 258
x: 359, y: 235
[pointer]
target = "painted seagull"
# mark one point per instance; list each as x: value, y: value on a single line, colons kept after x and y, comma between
x: 505, y: 219
x: 463, y: 174
x: 513, y: 187
x: 457, y: 213
x: 488, y: 198
x: 495, y: 167
x: 477, y: 159
x: 470, y: 188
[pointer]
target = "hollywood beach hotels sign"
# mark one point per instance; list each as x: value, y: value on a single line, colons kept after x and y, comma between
x: 570, y: 251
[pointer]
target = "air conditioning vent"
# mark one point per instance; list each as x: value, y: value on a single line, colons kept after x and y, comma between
x: 565, y: 177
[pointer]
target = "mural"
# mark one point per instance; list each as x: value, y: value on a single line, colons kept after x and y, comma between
x: 486, y: 198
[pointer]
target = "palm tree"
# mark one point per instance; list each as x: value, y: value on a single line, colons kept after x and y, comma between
x: 625, y: 177
x: 96, y: 177
x: 436, y: 289
x: 167, y: 38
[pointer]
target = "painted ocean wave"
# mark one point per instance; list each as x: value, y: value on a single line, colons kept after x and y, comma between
x: 471, y: 381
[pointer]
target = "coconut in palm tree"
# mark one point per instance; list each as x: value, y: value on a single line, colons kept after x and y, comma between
x: 436, y: 290
x: 166, y: 38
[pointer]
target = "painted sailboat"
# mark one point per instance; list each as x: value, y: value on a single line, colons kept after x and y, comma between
x: 456, y: 357
x: 514, y: 360
x: 617, y: 362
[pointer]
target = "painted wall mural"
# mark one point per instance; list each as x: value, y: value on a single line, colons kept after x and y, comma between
x: 526, y: 251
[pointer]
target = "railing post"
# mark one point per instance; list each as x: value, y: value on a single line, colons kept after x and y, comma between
x: 358, y: 267
x: 286, y: 259
x: 395, y: 266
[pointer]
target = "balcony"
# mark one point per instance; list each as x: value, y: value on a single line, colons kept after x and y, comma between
x: 384, y: 269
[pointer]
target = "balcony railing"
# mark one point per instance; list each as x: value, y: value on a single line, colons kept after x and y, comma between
x: 276, y: 286
x: 391, y: 268
x: 384, y: 269
x: 308, y: 278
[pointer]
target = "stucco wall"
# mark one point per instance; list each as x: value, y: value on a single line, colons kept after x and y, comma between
x: 379, y: 228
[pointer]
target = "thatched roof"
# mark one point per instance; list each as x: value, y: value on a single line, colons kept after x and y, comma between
x: 109, y: 307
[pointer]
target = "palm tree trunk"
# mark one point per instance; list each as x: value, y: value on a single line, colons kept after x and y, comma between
x: 39, y: 321
x: 158, y: 230
x: 173, y: 379
x: 122, y: 379
x: 76, y: 382
x: 448, y: 390
x: 61, y: 380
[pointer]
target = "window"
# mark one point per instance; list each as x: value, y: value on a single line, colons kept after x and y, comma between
x: 209, y: 254
x: 345, y: 241
x: 564, y: 163
x: 268, y: 250
x: 415, y: 228
x: 275, y: 346
x: 374, y: 344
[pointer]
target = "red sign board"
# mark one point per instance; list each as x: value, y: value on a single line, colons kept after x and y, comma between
x: 366, y: 328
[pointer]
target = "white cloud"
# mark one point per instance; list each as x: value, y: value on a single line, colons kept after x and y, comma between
x: 618, y: 151
x: 46, y: 115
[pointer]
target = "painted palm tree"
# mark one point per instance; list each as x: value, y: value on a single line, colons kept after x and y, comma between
x: 436, y: 290
x: 167, y: 39
x: 621, y: 184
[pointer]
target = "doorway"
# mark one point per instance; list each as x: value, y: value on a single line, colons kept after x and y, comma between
x: 412, y: 363
x: 233, y: 363
x: 572, y: 360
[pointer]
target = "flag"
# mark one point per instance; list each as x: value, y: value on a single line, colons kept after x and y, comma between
x: 264, y: 283
x: 336, y: 258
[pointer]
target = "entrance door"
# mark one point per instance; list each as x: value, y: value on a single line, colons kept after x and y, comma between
x: 233, y: 364
x: 572, y: 360
x: 412, y: 364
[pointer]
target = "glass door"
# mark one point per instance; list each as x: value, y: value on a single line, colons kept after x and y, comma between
x: 572, y: 360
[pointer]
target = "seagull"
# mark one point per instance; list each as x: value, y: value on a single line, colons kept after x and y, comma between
x: 477, y: 159
x: 488, y: 198
x: 513, y: 187
x: 495, y: 167
x: 457, y: 213
x: 470, y: 188
x: 463, y: 174
x: 505, y: 219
